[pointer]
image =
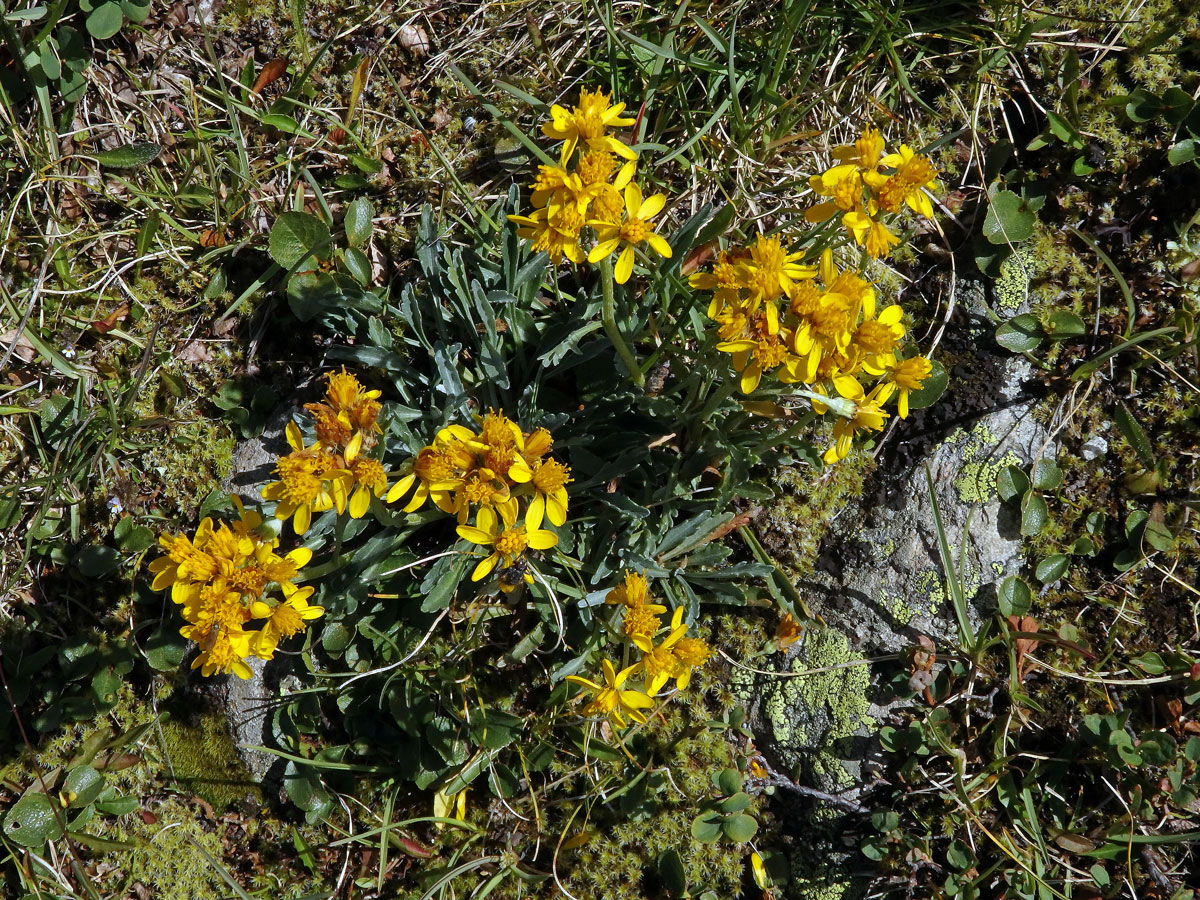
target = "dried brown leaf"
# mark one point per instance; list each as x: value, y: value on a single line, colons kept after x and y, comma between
x: 271, y: 72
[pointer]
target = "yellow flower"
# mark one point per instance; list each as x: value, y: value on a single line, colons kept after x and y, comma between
x: 610, y: 700
x: 914, y: 174
x: 215, y: 622
x: 769, y: 270
x: 554, y: 229
x: 347, y: 408
x: 639, y: 619
x: 185, y: 561
x: 369, y: 478
x: 438, y: 469
x: 875, y: 340
x: 634, y: 230
x: 870, y: 233
x: 907, y: 376
x: 309, y: 481
x: 550, y: 480
x: 632, y: 591
x: 284, y: 620
x: 864, y: 153
x: 587, y: 122
x: 659, y: 663
x: 843, y: 186
x: 507, y: 539
x: 867, y: 415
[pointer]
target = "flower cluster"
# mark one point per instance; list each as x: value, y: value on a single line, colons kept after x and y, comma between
x: 502, y: 476
x: 225, y: 578
x: 592, y: 188
x: 672, y: 658
x: 859, y: 189
x: 818, y: 326
x: 337, y: 471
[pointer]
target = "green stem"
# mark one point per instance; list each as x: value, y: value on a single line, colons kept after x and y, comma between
x: 608, y: 317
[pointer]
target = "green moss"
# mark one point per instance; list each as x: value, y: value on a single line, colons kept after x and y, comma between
x: 194, y: 462
x: 202, y: 759
x: 805, y: 504
x: 169, y: 852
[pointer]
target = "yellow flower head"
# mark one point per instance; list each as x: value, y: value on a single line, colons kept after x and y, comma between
x: 497, y: 527
x: 310, y: 480
x: 609, y: 699
x: 587, y: 123
x: 768, y: 271
x: 907, y: 376
x: 635, y: 229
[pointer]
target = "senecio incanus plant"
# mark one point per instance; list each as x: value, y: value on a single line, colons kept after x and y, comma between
x: 674, y: 657
x: 225, y: 579
x: 502, y: 474
x: 820, y: 325
x: 590, y: 197
x: 497, y: 474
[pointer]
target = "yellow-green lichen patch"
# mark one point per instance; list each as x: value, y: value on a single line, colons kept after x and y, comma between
x: 933, y: 590
x: 201, y: 758
x: 1011, y: 289
x: 976, y: 480
x: 810, y: 713
x: 897, y: 608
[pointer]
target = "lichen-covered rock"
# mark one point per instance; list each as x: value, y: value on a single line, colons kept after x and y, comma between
x: 879, y: 581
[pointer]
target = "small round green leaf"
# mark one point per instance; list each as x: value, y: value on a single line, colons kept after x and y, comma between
x: 1008, y: 220
x: 295, y: 237
x: 706, y: 828
x: 728, y: 781
x: 335, y: 638
x: 32, y: 821
x: 740, y: 828
x: 1034, y: 514
x: 1045, y: 474
x: 1014, y: 596
x: 1011, y: 483
x: 674, y: 876
x: 85, y: 783
x: 1062, y: 324
x: 359, y: 216
x: 97, y: 561
x: 931, y: 389
x: 736, y: 803
x: 1052, y: 568
x: 1020, y: 334
x: 358, y: 265
x: 164, y: 650
x: 105, y: 20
